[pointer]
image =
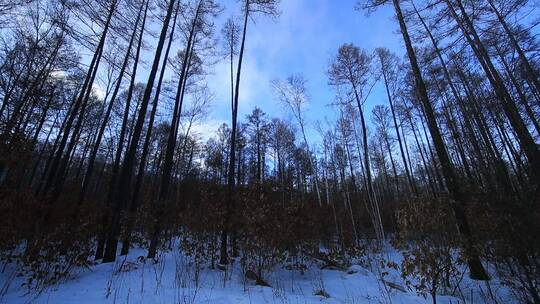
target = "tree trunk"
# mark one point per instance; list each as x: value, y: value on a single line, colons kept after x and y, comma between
x: 458, y: 205
x: 95, y: 150
x: 224, y: 257
x: 126, y: 173
x: 142, y: 163
x: 524, y: 137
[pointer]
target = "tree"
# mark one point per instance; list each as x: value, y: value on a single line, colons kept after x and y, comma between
x: 293, y: 94
x: 258, y: 131
x: 249, y: 9
x: 352, y: 68
x: 199, y: 26
x: 124, y: 181
x: 389, y: 65
x: 459, y: 201
x: 93, y: 155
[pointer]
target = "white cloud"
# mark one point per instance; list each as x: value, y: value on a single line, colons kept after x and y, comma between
x: 98, y: 91
x: 206, y: 129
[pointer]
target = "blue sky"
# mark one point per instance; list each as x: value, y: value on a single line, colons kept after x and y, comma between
x: 302, y: 39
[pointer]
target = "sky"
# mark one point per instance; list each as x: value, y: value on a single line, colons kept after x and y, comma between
x: 303, y: 39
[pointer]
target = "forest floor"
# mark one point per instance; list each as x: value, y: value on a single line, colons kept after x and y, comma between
x: 172, y: 279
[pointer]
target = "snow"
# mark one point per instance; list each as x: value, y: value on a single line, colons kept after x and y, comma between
x: 172, y: 279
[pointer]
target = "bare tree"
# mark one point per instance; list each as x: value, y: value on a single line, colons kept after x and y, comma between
x: 250, y: 8
x: 459, y: 201
x: 352, y: 68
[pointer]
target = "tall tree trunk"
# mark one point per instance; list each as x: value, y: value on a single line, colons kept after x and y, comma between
x: 224, y: 256
x: 126, y: 173
x: 531, y: 73
x: 524, y: 137
x: 521, y: 94
x: 59, y: 162
x: 412, y: 186
x: 461, y: 104
x: 375, y: 213
x: 95, y: 150
x: 113, y: 183
x: 146, y: 146
x: 458, y: 205
x: 172, y: 136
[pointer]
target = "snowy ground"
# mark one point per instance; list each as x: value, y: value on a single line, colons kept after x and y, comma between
x: 172, y: 280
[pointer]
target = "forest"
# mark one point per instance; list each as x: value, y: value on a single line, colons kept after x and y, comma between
x: 427, y: 192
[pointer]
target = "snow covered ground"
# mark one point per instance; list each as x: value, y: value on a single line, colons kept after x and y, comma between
x: 173, y: 280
